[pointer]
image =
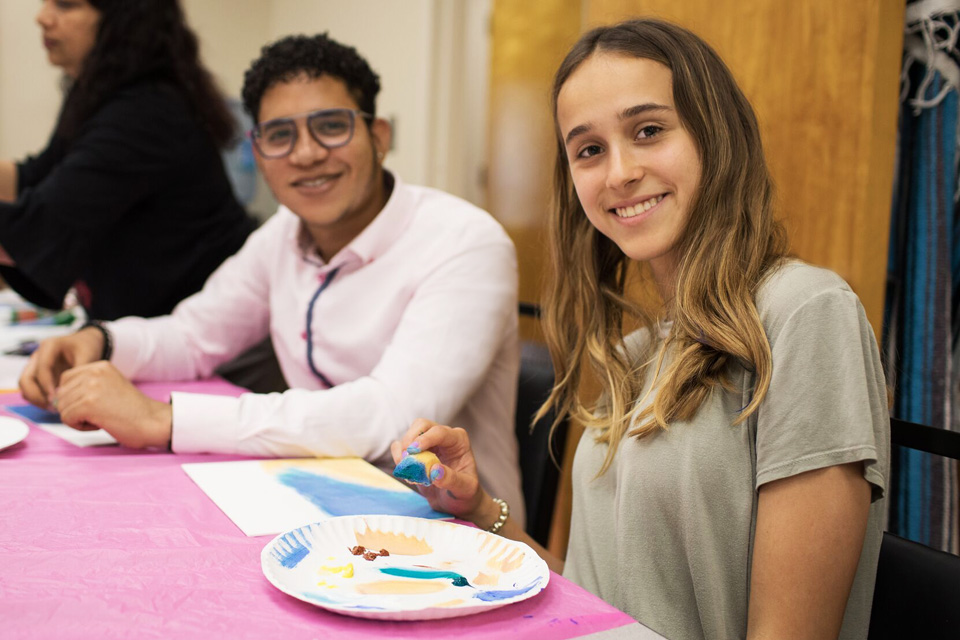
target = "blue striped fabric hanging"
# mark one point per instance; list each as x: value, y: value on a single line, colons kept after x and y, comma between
x: 924, y: 273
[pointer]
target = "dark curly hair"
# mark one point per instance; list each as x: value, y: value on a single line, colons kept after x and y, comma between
x: 313, y: 56
x: 138, y: 39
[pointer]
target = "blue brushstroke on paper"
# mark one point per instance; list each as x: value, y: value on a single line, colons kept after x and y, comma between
x: 339, y: 498
x: 35, y: 414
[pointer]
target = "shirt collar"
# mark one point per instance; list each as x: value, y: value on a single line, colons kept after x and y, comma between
x: 377, y: 237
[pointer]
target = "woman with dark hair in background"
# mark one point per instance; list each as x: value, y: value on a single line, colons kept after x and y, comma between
x: 129, y: 202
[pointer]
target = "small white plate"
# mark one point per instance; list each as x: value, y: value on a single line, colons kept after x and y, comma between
x: 434, y: 569
x: 12, y: 431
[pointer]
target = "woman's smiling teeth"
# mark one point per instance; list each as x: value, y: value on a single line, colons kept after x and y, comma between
x: 640, y: 207
x: 313, y: 182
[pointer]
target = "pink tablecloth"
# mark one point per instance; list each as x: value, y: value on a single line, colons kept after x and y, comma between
x: 110, y: 543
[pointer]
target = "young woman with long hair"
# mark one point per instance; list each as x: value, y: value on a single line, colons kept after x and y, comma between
x: 129, y: 202
x: 729, y: 483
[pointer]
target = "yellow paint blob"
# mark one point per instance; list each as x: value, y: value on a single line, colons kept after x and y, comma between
x: 427, y: 459
x: 345, y: 570
x: 402, y: 587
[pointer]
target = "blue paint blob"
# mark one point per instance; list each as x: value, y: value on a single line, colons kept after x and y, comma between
x: 426, y: 574
x: 491, y: 596
x: 289, y: 551
x: 339, y: 498
x: 413, y: 470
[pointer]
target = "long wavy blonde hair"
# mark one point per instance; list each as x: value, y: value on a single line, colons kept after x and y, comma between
x: 729, y: 244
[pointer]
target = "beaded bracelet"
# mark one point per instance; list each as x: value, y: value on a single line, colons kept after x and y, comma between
x: 504, y: 514
x: 107, y: 338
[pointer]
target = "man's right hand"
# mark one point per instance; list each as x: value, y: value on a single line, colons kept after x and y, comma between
x: 41, y: 377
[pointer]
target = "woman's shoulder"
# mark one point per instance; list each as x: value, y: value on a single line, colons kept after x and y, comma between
x: 141, y: 102
x: 794, y: 286
x: 147, y: 115
x: 794, y: 277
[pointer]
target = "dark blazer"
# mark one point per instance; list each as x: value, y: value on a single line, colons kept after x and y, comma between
x: 135, y: 212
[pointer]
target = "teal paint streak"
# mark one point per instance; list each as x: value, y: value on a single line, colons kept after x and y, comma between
x: 426, y: 574
x: 339, y: 498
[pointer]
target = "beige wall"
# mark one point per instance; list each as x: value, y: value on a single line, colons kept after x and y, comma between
x: 429, y: 83
x: 397, y: 45
x: 229, y: 42
x: 29, y: 93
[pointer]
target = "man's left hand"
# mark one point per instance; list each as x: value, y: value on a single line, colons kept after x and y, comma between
x: 97, y: 395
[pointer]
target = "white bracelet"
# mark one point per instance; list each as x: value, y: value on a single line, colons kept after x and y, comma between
x: 504, y: 514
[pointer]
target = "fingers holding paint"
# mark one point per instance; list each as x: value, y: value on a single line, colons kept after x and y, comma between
x: 417, y: 435
x: 448, y: 470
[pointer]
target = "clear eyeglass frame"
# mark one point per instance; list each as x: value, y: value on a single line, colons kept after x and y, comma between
x: 330, y: 128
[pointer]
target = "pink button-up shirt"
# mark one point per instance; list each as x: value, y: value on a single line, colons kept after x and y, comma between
x: 416, y: 317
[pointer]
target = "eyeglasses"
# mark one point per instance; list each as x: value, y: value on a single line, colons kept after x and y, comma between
x: 331, y: 128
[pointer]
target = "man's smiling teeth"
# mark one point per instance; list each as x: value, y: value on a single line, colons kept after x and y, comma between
x: 315, y: 182
x: 640, y: 207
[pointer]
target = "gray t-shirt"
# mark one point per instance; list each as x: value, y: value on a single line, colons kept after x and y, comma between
x: 667, y: 533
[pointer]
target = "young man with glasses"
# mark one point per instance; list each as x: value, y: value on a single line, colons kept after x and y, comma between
x: 385, y: 302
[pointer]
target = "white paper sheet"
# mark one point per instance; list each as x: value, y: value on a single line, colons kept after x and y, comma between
x: 267, y: 497
x: 95, y: 438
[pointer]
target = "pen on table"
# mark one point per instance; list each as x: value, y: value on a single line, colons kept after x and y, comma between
x: 25, y: 348
x: 33, y: 318
x: 29, y: 316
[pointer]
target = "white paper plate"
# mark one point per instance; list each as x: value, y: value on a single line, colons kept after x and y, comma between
x: 435, y: 569
x: 12, y: 431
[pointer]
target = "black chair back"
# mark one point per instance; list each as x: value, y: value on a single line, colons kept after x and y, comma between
x: 539, y: 474
x: 917, y: 594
